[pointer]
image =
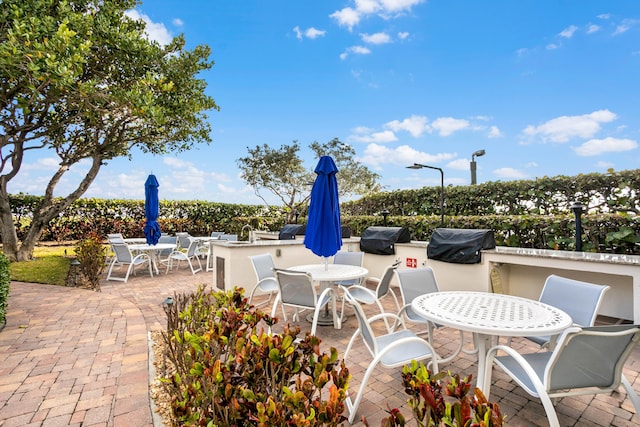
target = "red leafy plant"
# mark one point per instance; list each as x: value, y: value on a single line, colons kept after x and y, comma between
x: 435, y: 404
x: 223, y: 369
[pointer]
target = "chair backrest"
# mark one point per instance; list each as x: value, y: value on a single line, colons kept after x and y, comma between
x: 263, y: 266
x: 216, y: 234
x: 192, y: 248
x: 366, y: 331
x: 590, y: 357
x: 385, y: 280
x: 123, y: 254
x: 349, y: 258
x: 165, y: 238
x: 184, y: 240
x: 296, y: 288
x: 230, y: 237
x: 115, y: 238
x: 415, y: 282
x: 580, y: 300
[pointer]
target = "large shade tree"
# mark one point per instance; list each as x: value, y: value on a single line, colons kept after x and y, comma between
x: 82, y: 80
x: 282, y: 172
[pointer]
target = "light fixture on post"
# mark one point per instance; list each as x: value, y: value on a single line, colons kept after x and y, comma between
x: 478, y: 153
x: 385, y: 213
x: 420, y: 166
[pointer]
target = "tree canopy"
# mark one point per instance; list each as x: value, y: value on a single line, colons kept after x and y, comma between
x: 82, y: 79
x: 281, y: 171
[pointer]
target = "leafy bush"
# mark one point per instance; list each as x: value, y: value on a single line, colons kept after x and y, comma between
x: 225, y: 370
x: 91, y: 254
x: 4, y: 287
x: 428, y: 401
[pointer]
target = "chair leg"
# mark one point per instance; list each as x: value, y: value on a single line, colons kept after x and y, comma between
x: 631, y: 393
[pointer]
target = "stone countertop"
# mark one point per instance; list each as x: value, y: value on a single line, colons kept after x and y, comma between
x: 269, y: 242
x: 568, y: 255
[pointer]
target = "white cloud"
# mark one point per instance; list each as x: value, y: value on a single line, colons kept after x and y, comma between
x: 350, y: 17
x: 367, y: 6
x: 296, y: 30
x: 356, y: 50
x: 568, y: 32
x: 376, y: 155
x: 314, y: 33
x: 377, y: 38
x: 595, y: 147
x: 459, y: 164
x: 415, y: 125
x: 494, y: 132
x: 564, y: 128
x: 552, y: 46
x: 509, y: 173
x: 625, y: 26
x: 310, y: 33
x: 375, y: 137
x: 593, y: 28
x: 403, y: 35
x: 604, y: 165
x: 177, y: 22
x: 346, y: 17
x: 154, y: 31
x: 50, y: 164
x: 396, y: 6
x: 448, y: 125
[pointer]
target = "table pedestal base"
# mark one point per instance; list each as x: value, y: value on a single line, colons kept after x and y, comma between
x: 325, y: 318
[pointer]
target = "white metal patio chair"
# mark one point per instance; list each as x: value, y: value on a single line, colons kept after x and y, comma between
x: 365, y: 295
x: 580, y: 300
x: 391, y: 350
x: 189, y: 256
x: 184, y: 240
x: 584, y: 361
x: 349, y: 258
x: 124, y: 257
x: 419, y: 281
x: 267, y: 283
x: 296, y: 289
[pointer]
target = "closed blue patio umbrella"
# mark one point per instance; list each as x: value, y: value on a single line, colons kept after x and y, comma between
x: 151, y: 210
x: 323, y: 234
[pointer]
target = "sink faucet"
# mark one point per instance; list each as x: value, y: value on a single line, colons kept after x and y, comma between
x: 250, y: 237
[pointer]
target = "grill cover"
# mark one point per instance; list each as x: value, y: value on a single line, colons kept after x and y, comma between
x: 459, y: 246
x: 290, y: 231
x: 382, y: 240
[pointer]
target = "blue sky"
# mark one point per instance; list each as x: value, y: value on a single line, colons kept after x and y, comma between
x: 546, y: 87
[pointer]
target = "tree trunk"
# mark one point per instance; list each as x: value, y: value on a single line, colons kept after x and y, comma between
x: 47, y: 210
x: 8, y: 229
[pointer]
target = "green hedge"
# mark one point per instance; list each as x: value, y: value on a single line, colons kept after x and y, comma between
x: 599, y: 193
x: 533, y: 213
x: 4, y: 287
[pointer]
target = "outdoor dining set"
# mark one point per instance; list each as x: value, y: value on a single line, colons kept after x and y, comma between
x: 168, y: 252
x: 574, y: 357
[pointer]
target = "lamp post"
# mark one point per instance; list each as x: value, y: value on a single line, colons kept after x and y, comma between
x: 478, y: 153
x: 385, y: 213
x: 420, y: 166
x: 576, y: 207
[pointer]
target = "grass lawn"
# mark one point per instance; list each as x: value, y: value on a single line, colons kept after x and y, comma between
x: 50, y: 266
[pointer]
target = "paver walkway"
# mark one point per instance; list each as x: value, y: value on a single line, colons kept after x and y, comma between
x: 77, y: 357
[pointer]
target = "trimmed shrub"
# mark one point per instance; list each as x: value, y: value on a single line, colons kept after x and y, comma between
x: 4, y: 287
x: 225, y: 370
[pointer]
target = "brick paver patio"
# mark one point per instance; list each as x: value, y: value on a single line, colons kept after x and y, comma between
x: 77, y: 357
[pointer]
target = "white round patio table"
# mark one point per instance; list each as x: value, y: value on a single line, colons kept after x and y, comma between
x: 488, y: 314
x: 325, y: 275
x: 152, y: 250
